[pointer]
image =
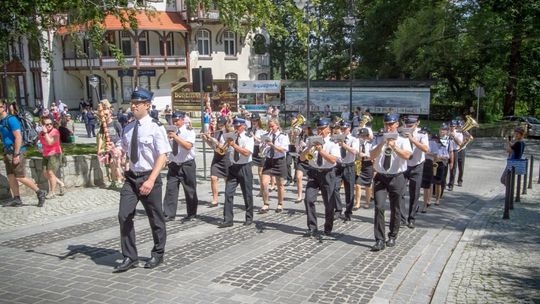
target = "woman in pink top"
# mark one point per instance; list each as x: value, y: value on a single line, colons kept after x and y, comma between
x: 52, y: 156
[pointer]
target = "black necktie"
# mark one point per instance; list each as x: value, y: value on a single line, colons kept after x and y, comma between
x: 236, y: 154
x: 175, y: 147
x: 319, y: 159
x: 272, y: 152
x: 343, y: 151
x: 387, y: 158
x: 134, y: 153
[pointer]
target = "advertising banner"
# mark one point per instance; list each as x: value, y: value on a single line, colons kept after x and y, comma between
x: 224, y: 91
x: 259, y: 86
x: 378, y: 100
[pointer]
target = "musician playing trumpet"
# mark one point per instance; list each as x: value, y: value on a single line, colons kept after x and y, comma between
x: 390, y: 161
x: 322, y: 157
x: 345, y: 170
x: 220, y: 161
x: 257, y: 132
x: 277, y: 146
x: 241, y: 150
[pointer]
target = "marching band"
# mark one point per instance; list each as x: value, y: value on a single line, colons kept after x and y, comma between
x: 394, y: 161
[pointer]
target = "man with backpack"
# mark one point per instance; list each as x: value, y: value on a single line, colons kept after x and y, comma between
x: 14, y: 156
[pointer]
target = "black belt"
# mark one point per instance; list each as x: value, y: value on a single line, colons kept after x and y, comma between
x: 347, y: 165
x: 321, y: 170
x: 240, y: 164
x: 139, y: 174
x: 277, y: 158
x: 184, y: 163
x: 389, y: 175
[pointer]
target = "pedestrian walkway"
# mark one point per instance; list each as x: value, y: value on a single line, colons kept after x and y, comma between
x: 496, y: 260
x: 65, y: 251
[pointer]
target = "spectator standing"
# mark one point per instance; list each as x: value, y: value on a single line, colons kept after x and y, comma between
x: 49, y: 138
x: 14, y: 157
x: 89, y: 118
x: 154, y: 113
x: 67, y: 130
x: 168, y: 114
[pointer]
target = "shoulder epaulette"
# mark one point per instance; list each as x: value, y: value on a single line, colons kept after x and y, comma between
x: 157, y: 122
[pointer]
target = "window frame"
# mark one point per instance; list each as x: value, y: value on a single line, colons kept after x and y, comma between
x: 201, y: 40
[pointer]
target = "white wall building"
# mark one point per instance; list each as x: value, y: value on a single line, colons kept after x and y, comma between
x: 161, y: 52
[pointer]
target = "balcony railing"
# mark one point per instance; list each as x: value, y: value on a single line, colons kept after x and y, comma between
x: 200, y: 15
x: 259, y: 61
x: 112, y: 63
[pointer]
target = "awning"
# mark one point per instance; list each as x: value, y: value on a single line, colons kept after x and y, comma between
x: 158, y: 21
x: 13, y: 67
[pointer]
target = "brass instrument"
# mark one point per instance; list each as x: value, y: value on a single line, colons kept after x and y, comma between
x: 469, y: 124
x: 435, y: 166
x: 298, y: 121
x: 312, y: 141
x: 364, y: 121
x: 263, y: 148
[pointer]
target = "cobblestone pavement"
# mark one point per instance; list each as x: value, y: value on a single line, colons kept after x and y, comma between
x: 65, y: 251
x: 496, y: 260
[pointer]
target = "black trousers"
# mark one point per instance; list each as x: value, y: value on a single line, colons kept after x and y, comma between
x: 184, y: 174
x: 346, y: 174
x: 454, y: 168
x: 129, y: 197
x: 289, y: 160
x: 391, y: 186
x: 461, y: 165
x: 323, y: 180
x: 414, y: 175
x: 239, y: 174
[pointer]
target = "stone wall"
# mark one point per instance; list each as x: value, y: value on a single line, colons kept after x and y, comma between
x: 77, y: 171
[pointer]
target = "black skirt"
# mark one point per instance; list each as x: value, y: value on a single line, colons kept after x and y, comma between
x: 427, y: 175
x: 220, y: 165
x: 302, y: 166
x: 366, y: 174
x: 440, y: 178
x: 256, y: 160
x: 275, y: 167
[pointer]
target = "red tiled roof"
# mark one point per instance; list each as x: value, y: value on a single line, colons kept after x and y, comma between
x: 159, y: 21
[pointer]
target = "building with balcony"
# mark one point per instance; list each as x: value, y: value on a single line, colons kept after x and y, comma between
x: 159, y: 53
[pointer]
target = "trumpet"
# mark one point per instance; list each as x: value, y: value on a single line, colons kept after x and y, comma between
x: 469, y: 124
x: 221, y: 150
x: 310, y: 155
x: 312, y: 141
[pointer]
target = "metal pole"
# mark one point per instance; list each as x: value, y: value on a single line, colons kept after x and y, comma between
x: 506, y: 214
x: 531, y: 166
x: 512, y: 187
x: 350, y: 78
x: 201, y: 91
x: 518, y: 190
x: 308, y: 61
x: 525, y: 177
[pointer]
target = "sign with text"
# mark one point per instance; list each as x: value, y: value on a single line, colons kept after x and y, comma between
x: 223, y: 91
x: 259, y: 86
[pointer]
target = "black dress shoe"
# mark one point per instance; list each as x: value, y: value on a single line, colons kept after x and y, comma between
x: 153, y: 262
x: 311, y: 233
x: 328, y: 233
x: 247, y: 223
x: 460, y: 184
x: 189, y: 218
x: 391, y: 242
x: 411, y: 224
x: 224, y: 225
x: 346, y: 218
x: 379, y: 245
x: 169, y: 219
x: 126, y: 264
x: 450, y: 188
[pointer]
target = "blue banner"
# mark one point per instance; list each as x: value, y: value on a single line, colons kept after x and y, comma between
x: 519, y: 164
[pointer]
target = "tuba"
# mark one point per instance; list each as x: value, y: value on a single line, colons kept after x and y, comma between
x: 298, y: 121
x: 469, y: 124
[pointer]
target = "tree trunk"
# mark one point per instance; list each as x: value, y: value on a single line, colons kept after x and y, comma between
x: 510, y: 95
